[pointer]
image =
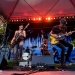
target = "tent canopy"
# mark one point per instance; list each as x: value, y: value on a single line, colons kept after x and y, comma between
x: 36, y: 8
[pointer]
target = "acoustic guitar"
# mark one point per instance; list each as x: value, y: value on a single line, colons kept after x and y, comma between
x: 54, y: 40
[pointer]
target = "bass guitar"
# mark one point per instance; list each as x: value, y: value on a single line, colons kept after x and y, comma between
x: 18, y: 38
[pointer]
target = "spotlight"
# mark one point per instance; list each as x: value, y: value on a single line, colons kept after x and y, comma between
x: 49, y: 18
x: 17, y: 20
x: 39, y: 18
x: 34, y: 19
x: 67, y: 17
x: 54, y: 18
x: 12, y: 20
x: 72, y: 16
x: 29, y: 18
x: 22, y: 20
x: 64, y: 17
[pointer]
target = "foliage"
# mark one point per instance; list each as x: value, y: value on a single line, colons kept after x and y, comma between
x: 73, y: 43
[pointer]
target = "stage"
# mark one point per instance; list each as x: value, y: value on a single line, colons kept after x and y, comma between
x: 37, y: 73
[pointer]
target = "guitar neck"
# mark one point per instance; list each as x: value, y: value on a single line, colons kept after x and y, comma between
x: 69, y: 33
x: 26, y: 26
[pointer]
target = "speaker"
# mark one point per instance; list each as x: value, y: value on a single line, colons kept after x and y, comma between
x: 40, y: 60
x: 43, y: 60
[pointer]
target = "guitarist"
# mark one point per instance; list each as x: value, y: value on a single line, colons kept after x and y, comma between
x: 19, y: 40
x: 62, y: 29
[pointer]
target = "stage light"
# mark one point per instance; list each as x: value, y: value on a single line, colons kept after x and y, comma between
x: 12, y: 20
x: 34, y: 19
x: 67, y: 17
x: 29, y: 18
x: 64, y: 17
x: 39, y: 19
x: 17, y: 20
x: 54, y: 18
x: 49, y: 18
x: 22, y: 20
x: 72, y: 16
x: 59, y: 17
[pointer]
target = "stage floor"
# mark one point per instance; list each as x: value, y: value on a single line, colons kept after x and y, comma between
x: 37, y: 73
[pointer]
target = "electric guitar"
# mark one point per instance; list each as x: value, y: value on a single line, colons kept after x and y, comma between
x: 55, y: 40
x: 18, y: 38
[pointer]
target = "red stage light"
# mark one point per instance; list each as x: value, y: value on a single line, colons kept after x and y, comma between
x: 17, y: 20
x: 49, y: 18
x: 22, y: 20
x: 64, y: 17
x: 29, y: 18
x: 72, y: 16
x: 67, y: 17
x: 54, y: 18
x: 12, y: 20
x: 34, y: 19
x: 37, y: 19
x: 40, y: 19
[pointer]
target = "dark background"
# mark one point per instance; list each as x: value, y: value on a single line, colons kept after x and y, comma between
x: 38, y: 28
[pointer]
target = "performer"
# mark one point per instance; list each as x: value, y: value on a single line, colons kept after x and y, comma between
x: 44, y: 47
x: 18, y: 40
x: 57, y: 37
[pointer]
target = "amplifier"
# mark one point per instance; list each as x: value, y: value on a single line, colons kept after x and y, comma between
x: 42, y: 60
x: 38, y: 60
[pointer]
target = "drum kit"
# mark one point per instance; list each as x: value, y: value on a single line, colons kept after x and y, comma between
x: 28, y: 53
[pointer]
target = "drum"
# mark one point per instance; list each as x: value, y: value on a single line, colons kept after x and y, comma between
x: 25, y: 56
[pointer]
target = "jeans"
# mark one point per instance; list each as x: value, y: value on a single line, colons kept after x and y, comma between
x: 62, y: 44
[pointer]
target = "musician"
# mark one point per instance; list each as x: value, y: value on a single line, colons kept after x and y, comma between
x: 44, y: 47
x: 56, y: 32
x: 19, y: 36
